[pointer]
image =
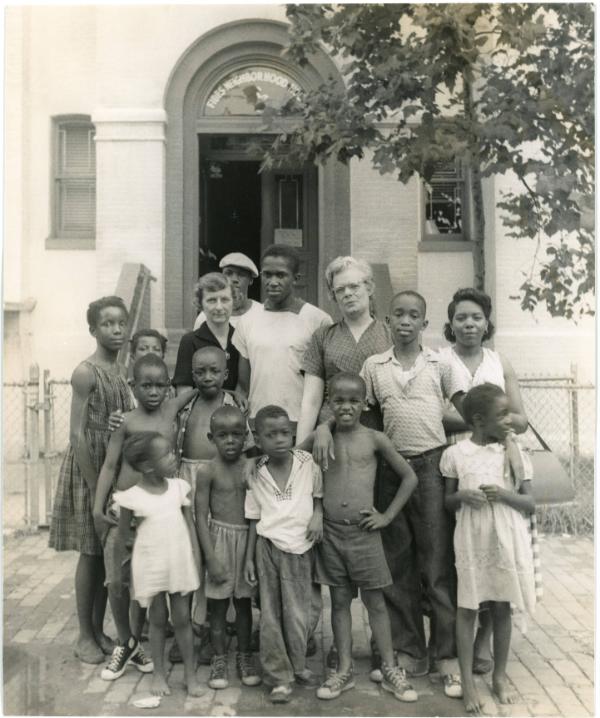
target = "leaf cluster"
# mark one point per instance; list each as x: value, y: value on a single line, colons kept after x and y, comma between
x: 509, y: 88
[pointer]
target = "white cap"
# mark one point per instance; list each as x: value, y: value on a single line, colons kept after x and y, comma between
x: 237, y: 259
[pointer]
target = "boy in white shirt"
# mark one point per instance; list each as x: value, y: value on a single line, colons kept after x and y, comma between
x: 283, y: 504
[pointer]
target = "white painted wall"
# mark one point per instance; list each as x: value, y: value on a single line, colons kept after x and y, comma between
x: 384, y: 221
x: 94, y: 59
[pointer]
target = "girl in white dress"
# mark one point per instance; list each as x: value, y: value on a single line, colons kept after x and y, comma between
x: 166, y: 557
x: 467, y: 363
x: 490, y: 493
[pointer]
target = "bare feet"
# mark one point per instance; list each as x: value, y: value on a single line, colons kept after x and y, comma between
x: 159, y: 685
x: 471, y: 700
x: 193, y: 689
x: 502, y: 690
x: 88, y: 651
x: 106, y: 643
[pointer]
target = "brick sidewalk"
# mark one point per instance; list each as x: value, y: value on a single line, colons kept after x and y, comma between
x: 551, y: 664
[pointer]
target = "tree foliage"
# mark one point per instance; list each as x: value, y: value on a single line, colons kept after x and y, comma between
x: 509, y: 88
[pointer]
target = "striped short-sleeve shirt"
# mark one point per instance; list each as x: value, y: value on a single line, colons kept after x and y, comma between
x: 413, y: 406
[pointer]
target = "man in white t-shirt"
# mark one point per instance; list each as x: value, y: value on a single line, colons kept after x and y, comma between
x: 241, y: 272
x: 272, y: 338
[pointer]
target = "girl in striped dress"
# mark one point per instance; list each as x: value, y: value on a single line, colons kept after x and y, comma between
x: 99, y: 388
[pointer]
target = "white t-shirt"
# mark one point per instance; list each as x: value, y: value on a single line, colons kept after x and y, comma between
x: 233, y: 319
x: 283, y: 517
x: 274, y: 343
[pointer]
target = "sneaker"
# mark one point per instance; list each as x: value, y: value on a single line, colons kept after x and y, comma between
x: 281, y: 694
x: 335, y: 685
x: 332, y: 658
x: 121, y: 656
x: 219, y: 672
x: 394, y: 681
x: 141, y: 661
x: 307, y: 678
x: 375, y: 675
x: 246, y: 669
x: 453, y: 686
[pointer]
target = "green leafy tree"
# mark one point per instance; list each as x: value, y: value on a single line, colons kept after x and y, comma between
x: 507, y: 88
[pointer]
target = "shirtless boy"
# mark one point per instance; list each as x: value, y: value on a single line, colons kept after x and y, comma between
x: 351, y: 553
x: 209, y: 371
x: 153, y: 413
x: 221, y: 490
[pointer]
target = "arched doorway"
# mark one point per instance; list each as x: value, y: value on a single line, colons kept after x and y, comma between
x: 215, y: 198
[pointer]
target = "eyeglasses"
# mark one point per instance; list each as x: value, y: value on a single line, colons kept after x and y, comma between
x: 352, y: 288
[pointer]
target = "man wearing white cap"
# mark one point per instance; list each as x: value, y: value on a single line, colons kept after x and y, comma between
x: 241, y: 272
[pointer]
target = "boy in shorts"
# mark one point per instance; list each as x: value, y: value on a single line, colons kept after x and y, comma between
x: 153, y: 413
x: 351, y: 553
x: 221, y: 491
x: 283, y: 503
x: 195, y: 450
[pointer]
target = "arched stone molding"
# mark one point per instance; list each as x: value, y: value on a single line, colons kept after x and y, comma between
x: 213, y: 56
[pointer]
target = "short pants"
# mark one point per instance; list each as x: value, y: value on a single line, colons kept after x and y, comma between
x: 229, y: 543
x: 351, y: 556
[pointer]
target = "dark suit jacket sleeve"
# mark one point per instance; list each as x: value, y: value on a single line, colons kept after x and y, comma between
x: 183, y: 367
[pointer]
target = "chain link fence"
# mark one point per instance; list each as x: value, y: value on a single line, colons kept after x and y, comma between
x: 564, y: 414
x: 36, y: 435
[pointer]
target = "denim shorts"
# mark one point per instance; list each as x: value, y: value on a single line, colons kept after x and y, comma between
x: 351, y: 556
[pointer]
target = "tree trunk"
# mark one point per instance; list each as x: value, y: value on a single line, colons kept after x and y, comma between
x: 476, y: 186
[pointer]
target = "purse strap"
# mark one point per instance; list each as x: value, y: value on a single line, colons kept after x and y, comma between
x: 539, y: 438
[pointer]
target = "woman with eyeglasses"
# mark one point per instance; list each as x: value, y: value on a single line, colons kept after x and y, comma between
x: 345, y: 345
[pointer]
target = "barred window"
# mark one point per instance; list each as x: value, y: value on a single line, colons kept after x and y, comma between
x: 74, y: 178
x: 445, y: 203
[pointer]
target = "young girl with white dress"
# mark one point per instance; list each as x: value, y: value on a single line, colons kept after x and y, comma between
x: 166, y: 557
x: 491, y: 495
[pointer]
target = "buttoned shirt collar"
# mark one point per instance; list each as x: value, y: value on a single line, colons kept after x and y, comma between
x: 425, y: 352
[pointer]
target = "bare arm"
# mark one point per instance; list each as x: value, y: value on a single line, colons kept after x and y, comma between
x: 183, y: 389
x: 106, y: 478
x: 83, y: 383
x: 408, y: 482
x: 518, y: 416
x: 202, y: 507
x: 522, y: 501
x: 249, y: 569
x: 314, y: 531
x: 187, y: 515
x: 453, y: 498
x: 244, y: 375
x: 176, y: 404
x: 312, y: 399
x: 453, y: 421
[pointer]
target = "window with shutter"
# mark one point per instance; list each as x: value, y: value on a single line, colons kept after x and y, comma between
x: 445, y: 203
x: 74, y: 199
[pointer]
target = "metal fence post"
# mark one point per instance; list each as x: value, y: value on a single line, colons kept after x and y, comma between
x: 48, y: 446
x: 574, y: 407
x: 32, y: 503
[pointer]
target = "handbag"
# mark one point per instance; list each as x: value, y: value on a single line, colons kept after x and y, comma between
x: 551, y: 483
